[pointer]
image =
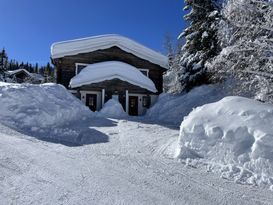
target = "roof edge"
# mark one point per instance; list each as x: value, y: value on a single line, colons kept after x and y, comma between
x: 90, y: 44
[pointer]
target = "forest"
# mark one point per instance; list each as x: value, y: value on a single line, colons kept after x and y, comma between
x: 225, y: 41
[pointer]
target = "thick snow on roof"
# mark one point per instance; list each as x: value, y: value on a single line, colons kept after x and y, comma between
x: 110, y: 70
x: 84, y: 45
x: 32, y: 75
x: 12, y: 72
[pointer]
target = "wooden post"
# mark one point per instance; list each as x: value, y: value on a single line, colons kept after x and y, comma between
x: 127, y: 102
x: 102, y: 97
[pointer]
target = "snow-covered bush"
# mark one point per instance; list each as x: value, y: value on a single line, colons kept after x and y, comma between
x: 172, y: 109
x: 232, y: 136
x: 246, y: 36
x: 113, y: 109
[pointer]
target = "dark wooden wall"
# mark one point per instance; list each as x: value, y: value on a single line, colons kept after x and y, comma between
x: 66, y: 66
x: 115, y: 86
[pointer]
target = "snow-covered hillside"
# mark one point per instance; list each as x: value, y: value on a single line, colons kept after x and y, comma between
x: 233, y: 136
x: 171, y: 109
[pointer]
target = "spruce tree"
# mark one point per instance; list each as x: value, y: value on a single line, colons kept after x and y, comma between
x: 201, y: 42
x: 36, y: 69
x: 3, y: 64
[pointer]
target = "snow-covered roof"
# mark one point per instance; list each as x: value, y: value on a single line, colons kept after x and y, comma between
x: 12, y: 72
x: 84, y: 45
x: 110, y: 70
x: 32, y: 75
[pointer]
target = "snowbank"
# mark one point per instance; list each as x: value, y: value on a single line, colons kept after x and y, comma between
x: 112, y: 109
x: 47, y: 110
x: 233, y: 136
x: 86, y: 45
x: 172, y: 109
x: 110, y: 70
x: 39, y: 105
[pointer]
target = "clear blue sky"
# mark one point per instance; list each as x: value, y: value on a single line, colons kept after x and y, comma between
x: 29, y: 27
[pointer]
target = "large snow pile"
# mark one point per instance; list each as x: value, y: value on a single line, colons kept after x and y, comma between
x: 172, y: 109
x: 112, y: 109
x: 47, y: 110
x: 233, y: 136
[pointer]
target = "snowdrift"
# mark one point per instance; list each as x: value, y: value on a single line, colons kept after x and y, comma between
x: 233, y: 136
x: 46, y: 111
x: 39, y: 105
x: 112, y: 109
x: 171, y: 109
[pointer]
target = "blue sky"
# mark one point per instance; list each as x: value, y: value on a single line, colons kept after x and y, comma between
x: 29, y: 27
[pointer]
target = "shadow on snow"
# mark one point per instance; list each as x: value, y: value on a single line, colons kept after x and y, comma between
x: 76, y: 133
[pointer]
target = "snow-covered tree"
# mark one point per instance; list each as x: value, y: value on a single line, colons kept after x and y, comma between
x: 3, y: 64
x: 246, y: 35
x: 201, y: 42
x: 171, y: 83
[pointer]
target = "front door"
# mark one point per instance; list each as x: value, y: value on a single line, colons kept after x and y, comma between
x: 91, y: 101
x: 133, y: 105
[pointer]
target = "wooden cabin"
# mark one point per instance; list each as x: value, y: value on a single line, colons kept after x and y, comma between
x: 99, y: 68
x: 23, y: 76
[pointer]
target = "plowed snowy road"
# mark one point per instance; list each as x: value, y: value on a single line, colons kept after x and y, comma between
x: 134, y: 167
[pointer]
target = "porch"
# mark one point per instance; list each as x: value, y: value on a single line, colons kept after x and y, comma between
x: 97, y: 83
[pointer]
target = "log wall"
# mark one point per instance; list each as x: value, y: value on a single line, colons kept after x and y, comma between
x: 66, y: 66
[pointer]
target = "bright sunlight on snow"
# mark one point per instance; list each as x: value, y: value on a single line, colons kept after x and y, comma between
x: 171, y: 109
x: 233, y: 136
x: 113, y: 109
x: 47, y: 111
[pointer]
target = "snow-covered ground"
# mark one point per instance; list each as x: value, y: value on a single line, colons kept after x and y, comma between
x: 233, y: 136
x: 134, y: 167
x: 122, y: 161
x: 112, y: 109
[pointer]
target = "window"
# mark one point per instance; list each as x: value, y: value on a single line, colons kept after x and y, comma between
x: 144, y: 72
x: 79, y: 67
x: 146, y: 101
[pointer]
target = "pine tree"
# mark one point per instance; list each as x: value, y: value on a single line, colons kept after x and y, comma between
x: 3, y: 64
x: 201, y: 42
x: 36, y: 69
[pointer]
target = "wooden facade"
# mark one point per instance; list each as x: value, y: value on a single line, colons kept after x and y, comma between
x: 66, y: 70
